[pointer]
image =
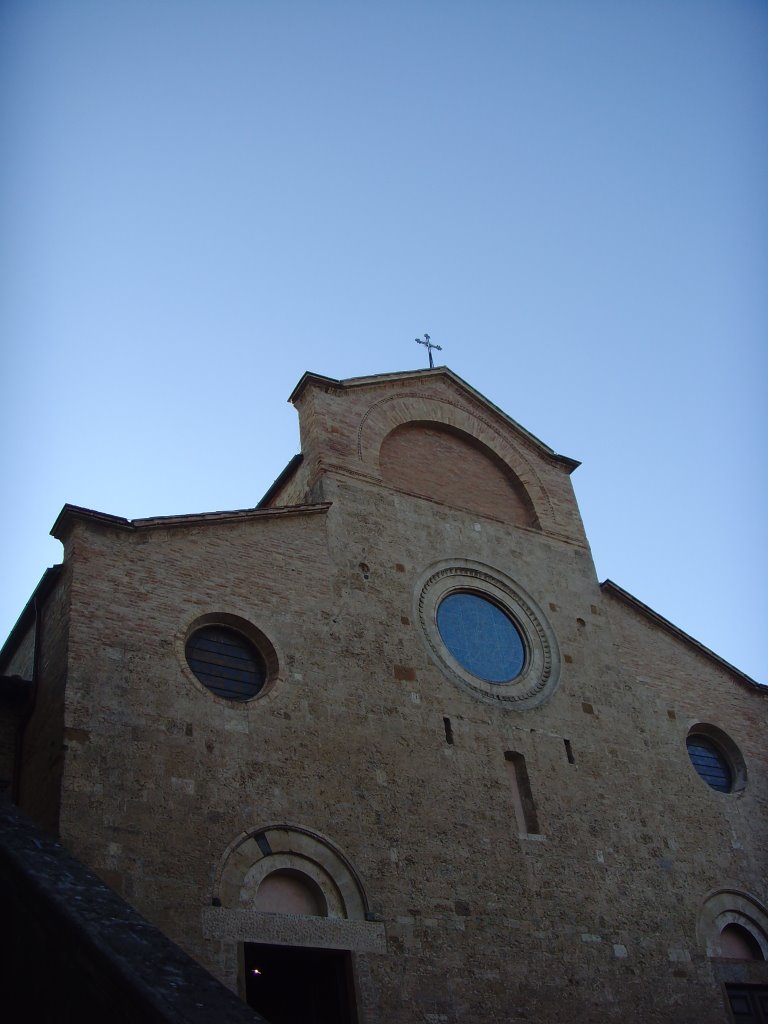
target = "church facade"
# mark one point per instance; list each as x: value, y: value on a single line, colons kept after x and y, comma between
x: 385, y: 733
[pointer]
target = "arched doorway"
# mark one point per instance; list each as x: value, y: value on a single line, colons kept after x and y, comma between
x: 296, y: 984
x: 734, y: 926
x: 296, y: 907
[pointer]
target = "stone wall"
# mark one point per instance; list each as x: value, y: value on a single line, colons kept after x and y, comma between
x: 370, y: 761
x: 14, y: 693
x: 42, y: 737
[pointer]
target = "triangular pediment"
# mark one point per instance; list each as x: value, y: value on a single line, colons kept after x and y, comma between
x: 386, y: 381
x: 430, y: 434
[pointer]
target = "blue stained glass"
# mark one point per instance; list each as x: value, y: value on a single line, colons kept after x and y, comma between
x: 710, y: 763
x: 481, y: 637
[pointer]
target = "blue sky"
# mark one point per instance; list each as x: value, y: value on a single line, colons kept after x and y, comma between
x: 202, y: 200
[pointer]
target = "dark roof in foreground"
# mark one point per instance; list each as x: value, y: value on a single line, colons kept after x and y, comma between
x: 95, y: 958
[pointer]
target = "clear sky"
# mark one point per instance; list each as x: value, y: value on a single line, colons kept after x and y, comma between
x: 201, y: 200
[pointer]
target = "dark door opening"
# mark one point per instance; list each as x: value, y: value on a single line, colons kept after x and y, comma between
x: 295, y: 985
x: 749, y: 1003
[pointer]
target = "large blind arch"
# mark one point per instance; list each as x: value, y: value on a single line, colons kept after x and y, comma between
x: 445, y: 464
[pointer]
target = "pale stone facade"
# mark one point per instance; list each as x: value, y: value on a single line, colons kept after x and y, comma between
x: 539, y: 849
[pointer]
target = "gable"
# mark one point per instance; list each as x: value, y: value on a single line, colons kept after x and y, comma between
x: 418, y: 431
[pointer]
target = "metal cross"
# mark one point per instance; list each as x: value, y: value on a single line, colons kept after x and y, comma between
x: 430, y: 346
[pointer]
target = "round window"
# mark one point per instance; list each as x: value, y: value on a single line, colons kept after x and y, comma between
x: 710, y: 763
x: 226, y: 662
x: 716, y: 758
x: 481, y: 637
x: 484, y: 632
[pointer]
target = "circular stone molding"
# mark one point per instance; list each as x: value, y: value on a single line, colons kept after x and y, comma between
x: 251, y: 633
x: 725, y: 749
x: 540, y: 674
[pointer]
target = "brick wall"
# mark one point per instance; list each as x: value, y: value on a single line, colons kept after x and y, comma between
x: 448, y: 468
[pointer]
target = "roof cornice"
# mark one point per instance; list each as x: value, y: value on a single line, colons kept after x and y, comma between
x: 280, y: 481
x: 39, y: 595
x: 72, y: 513
x: 614, y: 590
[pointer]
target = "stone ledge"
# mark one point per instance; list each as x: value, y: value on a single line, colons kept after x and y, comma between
x: 293, y: 930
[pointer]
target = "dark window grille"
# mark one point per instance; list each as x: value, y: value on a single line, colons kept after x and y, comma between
x: 710, y: 763
x: 226, y: 662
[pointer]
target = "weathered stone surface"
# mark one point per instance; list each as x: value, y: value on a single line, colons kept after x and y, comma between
x: 293, y: 930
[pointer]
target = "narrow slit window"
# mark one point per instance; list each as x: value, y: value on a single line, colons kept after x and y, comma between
x: 522, y: 797
x: 448, y: 730
x: 569, y: 752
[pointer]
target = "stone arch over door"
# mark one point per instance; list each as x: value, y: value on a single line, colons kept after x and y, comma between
x: 341, y: 917
x: 725, y: 908
x: 261, y: 851
x: 290, y: 891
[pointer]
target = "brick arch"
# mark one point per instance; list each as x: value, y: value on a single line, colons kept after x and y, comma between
x: 450, y: 466
x: 395, y: 411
